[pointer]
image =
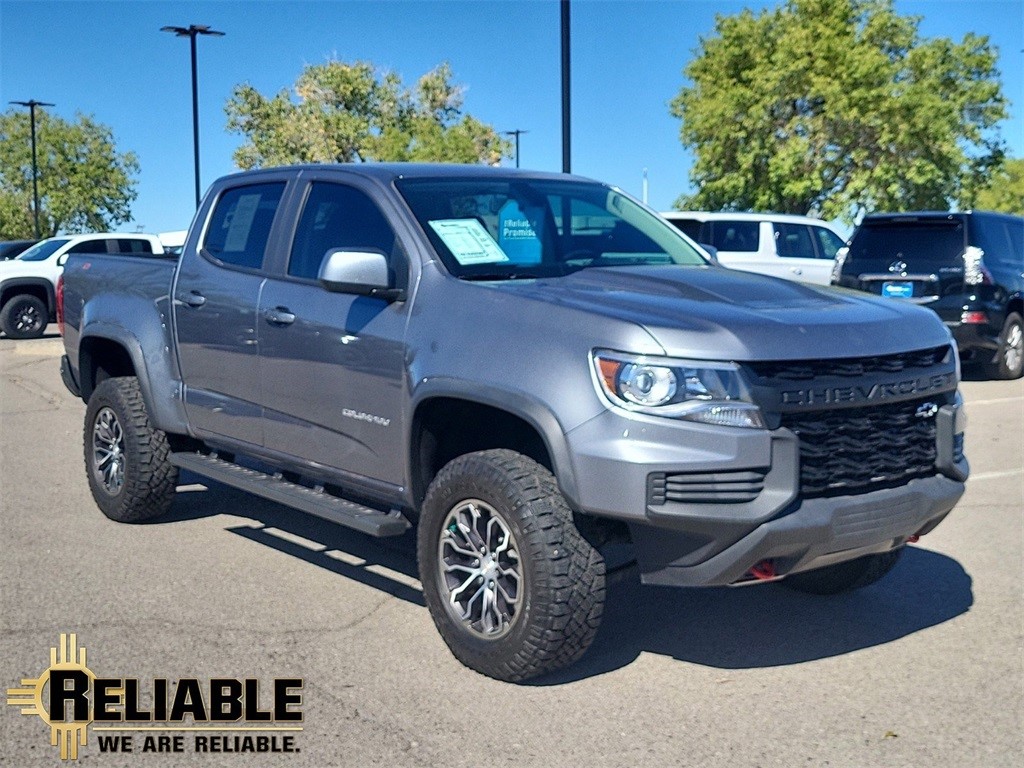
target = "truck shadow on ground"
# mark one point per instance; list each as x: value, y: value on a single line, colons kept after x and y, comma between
x: 726, y: 628
x: 770, y: 625
x: 387, y: 565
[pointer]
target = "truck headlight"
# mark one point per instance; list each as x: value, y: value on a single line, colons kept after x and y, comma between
x: 708, y: 392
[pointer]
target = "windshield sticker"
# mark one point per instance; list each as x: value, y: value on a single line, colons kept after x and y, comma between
x: 519, y: 232
x: 469, y: 242
x: 241, y: 222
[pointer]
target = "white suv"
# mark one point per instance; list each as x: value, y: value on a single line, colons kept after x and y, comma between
x: 793, y: 247
x: 28, y: 283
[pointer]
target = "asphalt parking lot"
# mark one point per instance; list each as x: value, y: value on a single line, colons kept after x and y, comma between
x: 924, y: 668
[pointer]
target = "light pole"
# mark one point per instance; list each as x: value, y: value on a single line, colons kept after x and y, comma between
x: 32, y: 104
x: 566, y: 82
x: 517, y: 132
x: 191, y: 31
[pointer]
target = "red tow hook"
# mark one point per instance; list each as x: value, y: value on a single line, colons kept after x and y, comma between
x: 764, y: 571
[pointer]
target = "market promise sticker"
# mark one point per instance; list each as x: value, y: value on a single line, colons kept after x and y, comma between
x: 180, y: 715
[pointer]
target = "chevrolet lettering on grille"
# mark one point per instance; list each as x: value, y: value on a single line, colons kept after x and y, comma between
x: 861, y: 394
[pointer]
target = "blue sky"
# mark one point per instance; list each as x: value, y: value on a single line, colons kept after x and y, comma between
x: 110, y: 60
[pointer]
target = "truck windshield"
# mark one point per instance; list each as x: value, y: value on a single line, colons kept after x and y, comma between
x: 41, y: 251
x: 487, y: 229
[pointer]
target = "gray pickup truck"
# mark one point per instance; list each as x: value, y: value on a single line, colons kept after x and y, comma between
x: 532, y: 369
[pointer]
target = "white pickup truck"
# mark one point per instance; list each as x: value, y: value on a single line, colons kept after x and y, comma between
x: 782, y: 245
x: 28, y: 283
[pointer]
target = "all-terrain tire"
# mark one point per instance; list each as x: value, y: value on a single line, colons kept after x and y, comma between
x: 1009, y: 362
x: 843, y: 577
x: 484, y: 500
x: 126, y: 458
x: 24, y: 317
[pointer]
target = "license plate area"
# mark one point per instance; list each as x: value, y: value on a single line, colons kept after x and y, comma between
x: 902, y: 289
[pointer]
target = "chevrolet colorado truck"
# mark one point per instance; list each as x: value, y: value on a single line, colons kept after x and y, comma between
x: 534, y: 370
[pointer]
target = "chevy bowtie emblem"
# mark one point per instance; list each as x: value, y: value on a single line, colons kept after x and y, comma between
x: 926, y: 410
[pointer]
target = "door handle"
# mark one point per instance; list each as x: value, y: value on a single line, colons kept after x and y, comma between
x: 796, y: 270
x: 195, y: 299
x: 279, y: 316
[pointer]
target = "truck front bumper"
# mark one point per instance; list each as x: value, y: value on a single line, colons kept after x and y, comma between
x: 737, y: 514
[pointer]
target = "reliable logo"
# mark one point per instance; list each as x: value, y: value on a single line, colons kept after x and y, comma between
x: 69, y: 697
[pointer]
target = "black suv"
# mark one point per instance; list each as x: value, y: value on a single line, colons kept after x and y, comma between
x: 11, y: 248
x: 968, y: 267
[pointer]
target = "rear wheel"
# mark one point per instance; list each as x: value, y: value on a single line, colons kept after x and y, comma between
x: 843, y: 577
x: 513, y: 587
x: 24, y: 317
x: 1009, y: 364
x: 126, y: 458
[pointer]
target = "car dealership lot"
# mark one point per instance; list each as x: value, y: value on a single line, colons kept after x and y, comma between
x: 923, y: 668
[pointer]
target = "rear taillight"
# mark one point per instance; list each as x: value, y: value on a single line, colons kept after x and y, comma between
x: 974, y: 268
x: 60, y: 304
x: 837, y: 265
x: 974, y: 318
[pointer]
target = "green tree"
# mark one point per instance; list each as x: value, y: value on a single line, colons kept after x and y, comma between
x: 1005, y: 190
x: 349, y: 112
x: 834, y: 105
x: 85, y: 184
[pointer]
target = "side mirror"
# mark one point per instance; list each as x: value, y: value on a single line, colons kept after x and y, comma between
x: 712, y: 253
x: 364, y: 273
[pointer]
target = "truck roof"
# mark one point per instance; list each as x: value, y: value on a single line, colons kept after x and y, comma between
x: 388, y: 172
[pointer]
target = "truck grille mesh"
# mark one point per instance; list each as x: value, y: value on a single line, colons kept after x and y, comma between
x: 858, y: 450
x: 806, y: 370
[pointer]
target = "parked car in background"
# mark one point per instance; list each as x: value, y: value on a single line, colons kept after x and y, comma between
x: 968, y: 267
x: 28, y: 283
x: 794, y: 247
x: 11, y: 248
x: 174, y: 241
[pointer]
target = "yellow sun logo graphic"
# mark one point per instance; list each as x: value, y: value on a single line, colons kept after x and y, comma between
x: 69, y: 736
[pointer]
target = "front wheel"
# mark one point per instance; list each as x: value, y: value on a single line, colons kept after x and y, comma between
x: 1009, y: 363
x: 24, y: 317
x: 513, y: 587
x: 126, y: 457
x: 843, y: 577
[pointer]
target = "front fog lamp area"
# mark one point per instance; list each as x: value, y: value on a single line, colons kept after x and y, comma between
x: 711, y: 393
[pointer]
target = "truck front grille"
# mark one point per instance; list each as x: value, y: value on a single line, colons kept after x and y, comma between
x: 724, y: 487
x: 858, y: 450
x: 848, y: 367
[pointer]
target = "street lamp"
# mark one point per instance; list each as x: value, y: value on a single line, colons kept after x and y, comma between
x: 32, y: 104
x: 566, y: 83
x: 191, y: 31
x: 517, y: 132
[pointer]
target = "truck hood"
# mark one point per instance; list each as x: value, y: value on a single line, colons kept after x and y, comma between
x: 715, y: 313
x: 17, y: 268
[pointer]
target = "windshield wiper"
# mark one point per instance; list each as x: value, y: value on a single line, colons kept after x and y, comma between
x: 500, y: 276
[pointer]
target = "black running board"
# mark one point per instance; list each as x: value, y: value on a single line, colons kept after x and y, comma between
x: 372, y: 521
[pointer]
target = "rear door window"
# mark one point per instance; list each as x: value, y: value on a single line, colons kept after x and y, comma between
x: 734, y: 235
x: 240, y: 225
x: 793, y: 241
x: 130, y: 245
x: 829, y: 242
x: 689, y: 227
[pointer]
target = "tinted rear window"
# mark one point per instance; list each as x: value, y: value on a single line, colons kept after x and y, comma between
x: 689, y: 227
x: 913, y: 242
x: 240, y: 225
x: 734, y: 235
